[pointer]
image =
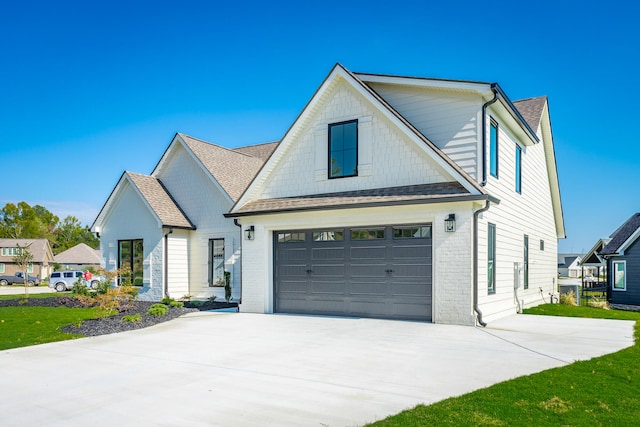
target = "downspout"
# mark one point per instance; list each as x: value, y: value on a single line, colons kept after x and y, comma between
x: 484, y: 133
x: 476, y: 214
x: 165, y: 287
x: 237, y: 224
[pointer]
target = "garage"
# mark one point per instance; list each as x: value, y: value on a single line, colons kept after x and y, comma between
x: 378, y: 271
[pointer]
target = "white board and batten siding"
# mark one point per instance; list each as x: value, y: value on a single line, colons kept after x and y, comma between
x: 129, y: 218
x: 529, y: 213
x: 183, y: 176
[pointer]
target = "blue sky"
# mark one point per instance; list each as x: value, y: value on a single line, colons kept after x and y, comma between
x: 90, y: 89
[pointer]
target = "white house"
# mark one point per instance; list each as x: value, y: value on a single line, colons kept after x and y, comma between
x: 168, y: 228
x: 404, y: 198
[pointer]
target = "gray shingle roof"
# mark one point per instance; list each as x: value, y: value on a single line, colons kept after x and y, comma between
x: 261, y: 151
x: 622, y: 234
x: 531, y: 109
x: 423, y: 193
x: 160, y: 201
x: 39, y: 248
x: 233, y: 169
x: 79, y: 254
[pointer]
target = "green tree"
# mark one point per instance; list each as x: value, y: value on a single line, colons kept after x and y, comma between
x: 22, y: 221
x: 22, y: 259
x: 71, y: 232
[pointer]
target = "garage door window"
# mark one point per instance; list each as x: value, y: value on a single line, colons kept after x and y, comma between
x: 367, y: 234
x: 291, y: 237
x: 419, y: 232
x: 328, y: 236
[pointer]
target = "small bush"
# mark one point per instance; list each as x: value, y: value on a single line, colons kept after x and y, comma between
x: 186, y: 297
x: 171, y: 302
x: 596, y: 303
x: 212, y: 298
x: 132, y: 318
x: 86, y: 300
x: 197, y: 303
x: 166, y: 300
x: 568, y: 299
x: 79, y: 288
x: 158, y: 310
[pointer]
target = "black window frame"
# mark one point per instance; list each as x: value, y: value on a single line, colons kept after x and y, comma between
x: 213, y: 280
x: 491, y: 259
x: 330, y: 173
x: 132, y: 276
x: 494, y: 147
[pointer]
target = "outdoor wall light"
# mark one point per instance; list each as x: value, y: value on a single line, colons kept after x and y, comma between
x: 450, y: 223
x: 250, y: 232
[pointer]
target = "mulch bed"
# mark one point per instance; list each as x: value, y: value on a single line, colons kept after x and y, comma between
x: 114, y: 324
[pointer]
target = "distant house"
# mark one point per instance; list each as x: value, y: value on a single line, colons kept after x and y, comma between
x: 79, y: 257
x: 621, y: 256
x: 43, y: 259
x: 569, y: 265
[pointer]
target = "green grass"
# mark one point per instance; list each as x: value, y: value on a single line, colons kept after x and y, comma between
x: 23, y: 326
x: 47, y: 295
x: 598, y: 392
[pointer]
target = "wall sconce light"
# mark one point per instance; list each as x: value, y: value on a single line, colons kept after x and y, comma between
x: 250, y: 232
x: 450, y: 223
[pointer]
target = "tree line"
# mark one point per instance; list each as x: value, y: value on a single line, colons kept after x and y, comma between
x: 22, y: 221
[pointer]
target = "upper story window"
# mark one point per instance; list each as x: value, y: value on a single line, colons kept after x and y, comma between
x: 343, y: 149
x: 11, y: 251
x: 518, y: 169
x: 493, y: 148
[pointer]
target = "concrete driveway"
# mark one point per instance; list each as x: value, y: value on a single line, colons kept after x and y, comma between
x: 19, y: 290
x: 239, y: 369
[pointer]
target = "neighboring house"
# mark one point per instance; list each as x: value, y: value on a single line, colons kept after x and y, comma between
x: 42, y: 264
x: 621, y: 255
x: 168, y: 228
x: 404, y: 198
x: 569, y: 265
x: 79, y: 257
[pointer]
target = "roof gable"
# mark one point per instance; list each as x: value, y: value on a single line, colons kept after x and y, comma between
x: 532, y: 109
x: 79, y: 254
x: 39, y: 248
x: 337, y: 74
x: 624, y: 236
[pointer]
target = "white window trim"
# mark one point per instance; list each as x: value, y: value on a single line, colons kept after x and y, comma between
x: 613, y: 283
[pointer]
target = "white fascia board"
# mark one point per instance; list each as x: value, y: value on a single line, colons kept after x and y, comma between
x: 629, y: 241
x: 460, y: 85
x: 552, y: 171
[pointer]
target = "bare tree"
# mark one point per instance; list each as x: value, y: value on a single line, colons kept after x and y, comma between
x: 23, y: 258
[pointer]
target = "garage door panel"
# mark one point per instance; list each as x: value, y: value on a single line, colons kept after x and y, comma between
x: 409, y: 310
x: 415, y: 271
x: 367, y: 270
x: 332, y: 287
x: 319, y: 254
x: 368, y: 288
x: 366, y: 252
x: 411, y: 289
x: 293, y: 254
x: 328, y: 270
x: 293, y: 270
x: 368, y: 308
x: 411, y: 252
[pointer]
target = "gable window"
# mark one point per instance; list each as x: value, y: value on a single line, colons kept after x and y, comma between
x: 343, y: 149
x: 493, y: 148
x: 619, y: 275
x: 518, y: 169
x: 11, y: 251
x: 130, y: 261
x: 216, y: 262
x: 491, y: 259
x: 525, y: 270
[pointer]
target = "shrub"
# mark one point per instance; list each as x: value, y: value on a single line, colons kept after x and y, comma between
x: 568, y: 299
x: 171, y: 302
x: 197, y: 303
x: 596, y: 303
x: 79, y: 288
x: 158, y: 310
x: 132, y: 318
x: 212, y: 298
x: 117, y: 300
x: 86, y: 300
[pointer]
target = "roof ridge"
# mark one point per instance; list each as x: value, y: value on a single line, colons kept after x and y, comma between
x: 231, y: 150
x: 531, y: 98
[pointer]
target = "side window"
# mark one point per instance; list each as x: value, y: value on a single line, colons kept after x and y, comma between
x: 619, y: 275
x: 343, y: 149
x: 518, y: 169
x: 54, y: 275
x: 491, y: 260
x: 68, y: 274
x: 1, y: 268
x: 216, y: 262
x: 526, y: 262
x: 493, y: 148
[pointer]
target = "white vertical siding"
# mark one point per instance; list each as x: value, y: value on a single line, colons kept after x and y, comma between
x: 178, y: 264
x: 449, y: 120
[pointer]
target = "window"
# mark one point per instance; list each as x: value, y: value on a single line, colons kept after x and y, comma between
x: 343, y: 149
x: 367, y: 234
x: 328, y: 235
x: 423, y: 231
x: 518, y: 169
x: 216, y: 262
x: 291, y: 237
x: 1, y: 268
x: 11, y: 251
x: 525, y: 271
x: 491, y: 260
x: 130, y: 261
x: 619, y: 275
x: 30, y: 268
x: 542, y: 245
x: 493, y: 148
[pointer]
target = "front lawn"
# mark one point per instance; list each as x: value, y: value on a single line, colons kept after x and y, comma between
x: 23, y: 325
x: 601, y: 391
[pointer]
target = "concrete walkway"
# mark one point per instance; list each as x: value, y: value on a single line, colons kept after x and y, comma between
x: 238, y: 369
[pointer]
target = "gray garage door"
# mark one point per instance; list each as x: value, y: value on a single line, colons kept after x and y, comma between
x: 381, y: 272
